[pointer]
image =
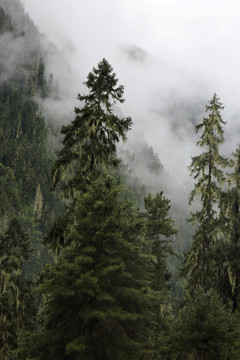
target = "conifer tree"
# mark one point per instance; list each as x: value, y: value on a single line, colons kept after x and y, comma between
x: 89, y: 143
x: 159, y: 227
x: 102, y: 297
x: 101, y: 302
x: 207, y: 169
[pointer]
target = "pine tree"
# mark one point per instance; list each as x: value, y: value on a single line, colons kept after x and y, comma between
x: 207, y: 169
x: 89, y: 143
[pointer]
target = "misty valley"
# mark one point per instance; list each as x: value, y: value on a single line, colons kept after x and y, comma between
x: 104, y: 255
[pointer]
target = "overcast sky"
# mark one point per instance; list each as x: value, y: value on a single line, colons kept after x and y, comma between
x: 170, y: 55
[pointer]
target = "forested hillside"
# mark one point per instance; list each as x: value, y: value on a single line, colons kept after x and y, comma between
x: 97, y: 258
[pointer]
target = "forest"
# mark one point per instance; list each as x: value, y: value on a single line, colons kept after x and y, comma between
x: 95, y: 264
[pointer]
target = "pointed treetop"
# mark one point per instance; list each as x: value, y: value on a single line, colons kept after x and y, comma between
x: 212, y: 124
x: 102, y: 83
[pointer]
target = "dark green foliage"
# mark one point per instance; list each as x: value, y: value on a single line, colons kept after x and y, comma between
x: 206, y: 329
x: 207, y: 169
x: 104, y: 276
x: 228, y: 251
x: 143, y: 173
x: 55, y: 237
x: 159, y: 222
x: 22, y: 127
x: 137, y: 190
x: 111, y: 258
x: 40, y: 77
x: 107, y: 294
x: 22, y: 139
x: 9, y: 191
x: 16, y: 303
x: 25, y: 161
x: 24, y: 177
x: 24, y: 166
x: 159, y: 226
x: 89, y: 143
x: 38, y: 253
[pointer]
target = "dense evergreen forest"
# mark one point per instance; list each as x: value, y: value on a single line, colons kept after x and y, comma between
x: 97, y: 263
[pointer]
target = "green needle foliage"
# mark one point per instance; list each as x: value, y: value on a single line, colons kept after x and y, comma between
x: 100, y: 301
x: 106, y: 294
x: 9, y: 193
x: 207, y: 169
x: 89, y: 143
x: 16, y: 306
x: 206, y: 330
x: 159, y: 227
x: 228, y: 252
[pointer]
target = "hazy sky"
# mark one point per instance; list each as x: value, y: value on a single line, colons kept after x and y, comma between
x: 170, y: 55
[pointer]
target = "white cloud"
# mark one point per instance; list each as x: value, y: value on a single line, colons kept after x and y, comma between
x: 192, y: 51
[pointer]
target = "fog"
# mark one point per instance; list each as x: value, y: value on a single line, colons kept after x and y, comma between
x: 170, y: 55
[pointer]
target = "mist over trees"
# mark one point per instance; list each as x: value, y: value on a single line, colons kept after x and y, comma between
x: 100, y: 258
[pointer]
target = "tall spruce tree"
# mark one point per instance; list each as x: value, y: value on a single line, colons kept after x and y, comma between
x: 102, y: 299
x: 207, y: 169
x: 89, y: 144
x: 101, y: 302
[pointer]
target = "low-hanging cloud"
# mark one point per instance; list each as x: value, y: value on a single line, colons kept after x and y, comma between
x: 170, y: 56
x: 11, y: 56
x: 20, y: 46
